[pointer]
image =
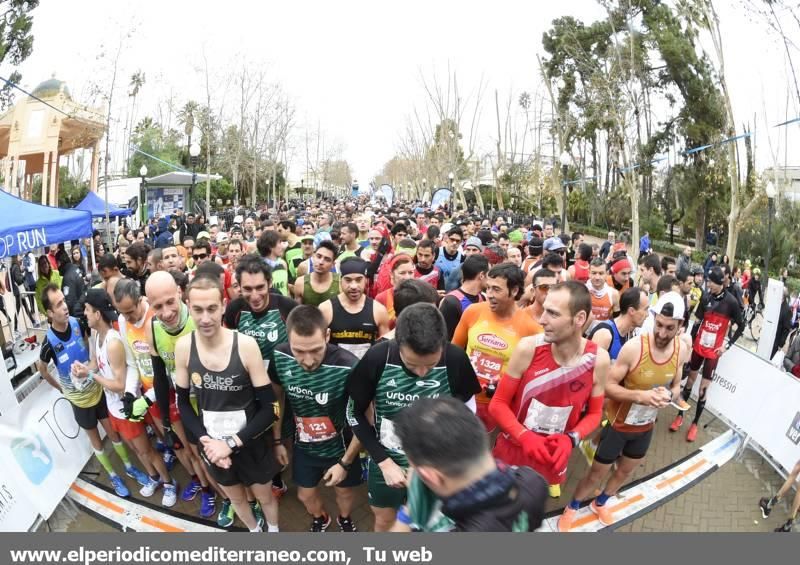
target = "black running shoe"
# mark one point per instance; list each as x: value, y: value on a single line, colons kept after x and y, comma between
x: 765, y: 507
x: 320, y: 523
x: 346, y: 524
x: 787, y: 527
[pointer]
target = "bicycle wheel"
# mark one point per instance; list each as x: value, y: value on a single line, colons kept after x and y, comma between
x: 756, y: 324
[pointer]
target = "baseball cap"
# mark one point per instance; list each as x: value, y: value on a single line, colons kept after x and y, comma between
x: 670, y: 304
x: 474, y: 242
x: 236, y: 229
x: 515, y: 236
x: 553, y: 244
x: 99, y: 299
x: 203, y: 235
x: 306, y: 237
x: 716, y: 275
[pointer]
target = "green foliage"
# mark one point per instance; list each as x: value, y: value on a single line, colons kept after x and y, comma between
x: 16, y: 41
x: 785, y: 237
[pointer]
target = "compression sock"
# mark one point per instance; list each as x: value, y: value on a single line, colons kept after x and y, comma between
x: 701, y: 404
x: 575, y: 504
x: 105, y: 462
x: 602, y: 498
x: 122, y: 451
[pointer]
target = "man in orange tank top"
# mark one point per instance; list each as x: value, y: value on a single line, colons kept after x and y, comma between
x: 551, y: 395
x: 605, y: 299
x: 645, y: 378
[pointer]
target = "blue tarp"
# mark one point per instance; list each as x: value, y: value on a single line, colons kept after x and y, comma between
x: 25, y: 226
x: 96, y: 206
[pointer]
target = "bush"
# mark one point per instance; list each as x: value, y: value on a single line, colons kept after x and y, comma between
x: 660, y: 247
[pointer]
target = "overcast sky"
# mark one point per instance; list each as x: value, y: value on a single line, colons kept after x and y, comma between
x: 354, y: 67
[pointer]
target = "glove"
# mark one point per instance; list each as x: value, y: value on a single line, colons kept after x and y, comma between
x: 127, y: 404
x: 171, y: 438
x: 560, y: 448
x: 535, y: 447
x: 140, y: 406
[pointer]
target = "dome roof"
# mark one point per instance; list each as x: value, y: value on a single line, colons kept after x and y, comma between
x: 51, y: 88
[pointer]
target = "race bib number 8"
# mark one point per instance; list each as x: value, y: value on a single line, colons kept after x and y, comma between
x: 545, y: 419
x: 316, y: 429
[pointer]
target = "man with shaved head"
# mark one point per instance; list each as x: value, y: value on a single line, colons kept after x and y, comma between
x: 171, y: 320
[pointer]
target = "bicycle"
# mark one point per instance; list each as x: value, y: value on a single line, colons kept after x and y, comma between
x: 754, y: 320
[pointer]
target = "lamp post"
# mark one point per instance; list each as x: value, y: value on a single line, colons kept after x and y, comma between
x: 451, y: 177
x: 564, y: 159
x: 302, y: 190
x: 771, y: 193
x: 194, y: 153
x: 143, y: 196
x: 424, y: 188
x: 408, y: 190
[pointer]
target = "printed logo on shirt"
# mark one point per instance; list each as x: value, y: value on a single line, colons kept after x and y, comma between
x: 391, y: 382
x: 428, y: 384
x: 493, y: 341
x: 197, y: 380
x: 321, y: 398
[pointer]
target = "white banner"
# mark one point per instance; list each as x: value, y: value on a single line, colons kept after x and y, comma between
x: 42, y: 448
x: 17, y: 513
x: 737, y: 387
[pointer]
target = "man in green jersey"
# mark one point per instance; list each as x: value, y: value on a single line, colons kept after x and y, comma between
x: 294, y: 249
x: 418, y: 362
x: 260, y: 314
x: 310, y: 375
x: 171, y: 321
x: 270, y: 247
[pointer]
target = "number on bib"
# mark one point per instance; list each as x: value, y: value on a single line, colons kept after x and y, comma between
x: 545, y: 419
x: 314, y: 429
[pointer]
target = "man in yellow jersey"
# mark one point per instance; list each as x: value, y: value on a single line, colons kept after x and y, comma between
x: 489, y: 331
x: 645, y: 378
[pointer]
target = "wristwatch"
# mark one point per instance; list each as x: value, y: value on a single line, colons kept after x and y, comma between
x: 344, y: 465
x: 231, y: 443
x: 575, y: 437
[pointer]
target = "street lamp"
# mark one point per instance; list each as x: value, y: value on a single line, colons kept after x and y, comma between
x: 194, y: 153
x: 451, y: 176
x: 143, y: 196
x: 771, y: 193
x: 564, y: 159
x: 408, y: 189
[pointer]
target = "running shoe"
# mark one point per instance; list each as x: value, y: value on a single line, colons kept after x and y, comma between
x: 256, y: 508
x: 680, y: 404
x: 225, y: 516
x: 170, y: 496
x: 191, y: 490
x: 691, y: 435
x: 137, y: 475
x: 169, y: 459
x: 566, y: 519
x: 150, y: 488
x: 346, y: 524
x: 604, y: 514
x: 278, y: 492
x: 676, y: 423
x: 119, y: 486
x: 259, y: 526
x: 320, y: 523
x: 554, y: 491
x: 787, y: 527
x: 208, y: 504
x: 765, y: 507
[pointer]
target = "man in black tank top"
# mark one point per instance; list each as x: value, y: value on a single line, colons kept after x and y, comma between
x: 234, y: 401
x: 354, y: 319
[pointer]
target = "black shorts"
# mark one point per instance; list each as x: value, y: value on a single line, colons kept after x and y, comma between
x: 308, y: 470
x: 253, y: 464
x: 613, y: 443
x: 87, y: 418
x: 709, y: 365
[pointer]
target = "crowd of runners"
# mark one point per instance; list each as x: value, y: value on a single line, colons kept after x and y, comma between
x: 454, y: 363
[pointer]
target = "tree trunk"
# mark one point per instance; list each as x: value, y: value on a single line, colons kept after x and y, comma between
x: 699, y: 227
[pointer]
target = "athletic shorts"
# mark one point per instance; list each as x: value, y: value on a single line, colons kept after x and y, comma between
x: 709, y: 365
x: 483, y: 413
x: 87, y: 418
x: 254, y: 464
x: 614, y: 443
x: 174, y: 415
x: 127, y: 429
x: 510, y: 453
x: 380, y: 494
x: 308, y: 470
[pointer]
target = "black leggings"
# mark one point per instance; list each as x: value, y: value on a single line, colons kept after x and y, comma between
x: 22, y: 303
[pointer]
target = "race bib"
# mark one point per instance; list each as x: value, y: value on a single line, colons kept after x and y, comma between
x: 223, y: 424
x: 708, y: 339
x: 641, y: 415
x: 545, y: 419
x: 487, y: 366
x: 389, y: 439
x: 357, y: 349
x: 314, y: 429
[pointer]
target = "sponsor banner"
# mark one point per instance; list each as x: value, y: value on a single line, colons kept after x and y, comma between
x: 162, y: 201
x: 42, y: 448
x: 440, y: 198
x: 736, y: 386
x: 17, y: 514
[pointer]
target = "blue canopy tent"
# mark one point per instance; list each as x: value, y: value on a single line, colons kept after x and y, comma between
x: 25, y: 226
x: 96, y: 206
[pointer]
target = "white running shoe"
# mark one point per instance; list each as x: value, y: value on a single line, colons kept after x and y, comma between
x: 170, y: 496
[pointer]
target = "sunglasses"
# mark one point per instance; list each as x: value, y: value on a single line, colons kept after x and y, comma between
x: 200, y: 256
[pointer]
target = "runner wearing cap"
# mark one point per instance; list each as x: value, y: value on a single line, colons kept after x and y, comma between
x: 717, y: 310
x: 473, y: 245
x: 551, y: 394
x: 645, y: 378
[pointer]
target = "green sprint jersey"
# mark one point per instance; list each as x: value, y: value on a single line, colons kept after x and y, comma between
x: 382, y: 377
x: 317, y: 401
x: 293, y: 257
x: 165, y: 339
x: 268, y: 327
